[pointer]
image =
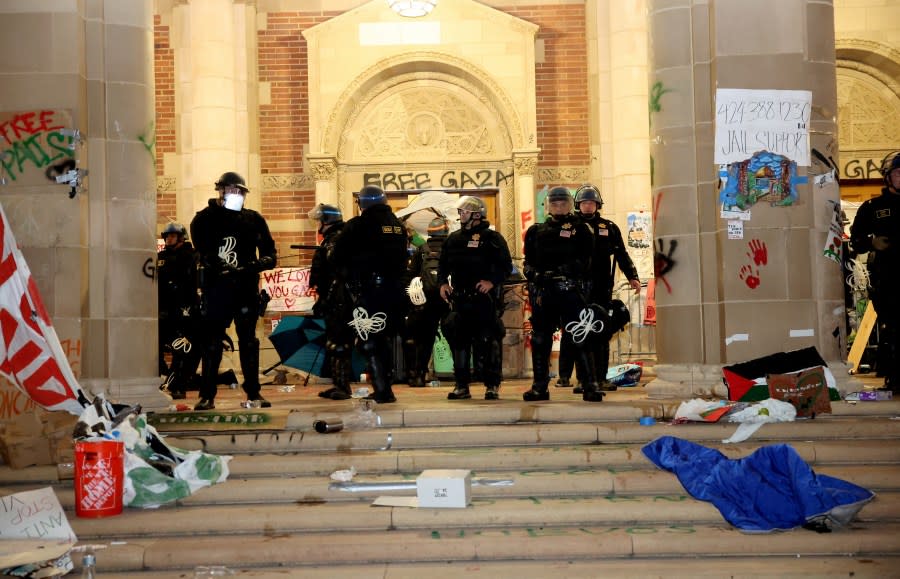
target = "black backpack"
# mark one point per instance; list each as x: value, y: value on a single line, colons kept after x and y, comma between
x: 431, y: 257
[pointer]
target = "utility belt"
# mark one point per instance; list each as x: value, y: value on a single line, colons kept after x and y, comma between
x: 564, y: 284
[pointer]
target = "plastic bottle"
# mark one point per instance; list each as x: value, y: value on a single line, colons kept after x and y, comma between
x: 362, y: 417
x: 88, y: 566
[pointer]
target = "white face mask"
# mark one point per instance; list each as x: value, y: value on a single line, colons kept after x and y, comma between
x: 234, y: 201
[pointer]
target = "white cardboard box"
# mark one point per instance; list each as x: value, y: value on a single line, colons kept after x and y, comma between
x: 444, y: 488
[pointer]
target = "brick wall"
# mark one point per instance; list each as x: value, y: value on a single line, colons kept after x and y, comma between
x: 561, y: 83
x: 164, y: 70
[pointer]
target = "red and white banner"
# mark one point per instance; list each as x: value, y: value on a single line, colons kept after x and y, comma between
x: 30, y: 353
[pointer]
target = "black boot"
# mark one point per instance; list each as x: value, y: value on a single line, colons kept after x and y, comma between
x: 601, y: 363
x: 492, y: 392
x: 461, y: 392
x: 590, y: 389
x: 540, y: 363
x: 579, y: 361
x: 566, y: 361
x: 381, y: 380
x: 416, y: 379
x: 340, y: 374
x: 249, y: 356
x: 462, y: 373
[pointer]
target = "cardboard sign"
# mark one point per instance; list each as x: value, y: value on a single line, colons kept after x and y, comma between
x: 33, y: 529
x: 288, y: 288
x: 806, y: 390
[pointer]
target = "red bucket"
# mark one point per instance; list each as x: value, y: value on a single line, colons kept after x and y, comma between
x: 99, y: 478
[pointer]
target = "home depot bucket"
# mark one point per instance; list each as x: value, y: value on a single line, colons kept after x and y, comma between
x: 99, y: 478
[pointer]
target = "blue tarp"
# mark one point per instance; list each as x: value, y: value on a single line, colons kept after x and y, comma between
x: 772, y: 489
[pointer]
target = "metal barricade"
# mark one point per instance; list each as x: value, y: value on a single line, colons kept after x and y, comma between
x: 637, y: 341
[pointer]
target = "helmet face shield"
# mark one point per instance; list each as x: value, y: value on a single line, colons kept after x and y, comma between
x: 325, y: 214
x: 173, y: 234
x: 890, y: 169
x: 559, y: 202
x: 468, y: 206
x: 369, y: 196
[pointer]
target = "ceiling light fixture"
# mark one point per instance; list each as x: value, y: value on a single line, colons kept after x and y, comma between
x: 412, y: 8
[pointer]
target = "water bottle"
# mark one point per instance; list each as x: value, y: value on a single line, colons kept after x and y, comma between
x: 88, y: 566
x: 435, y: 383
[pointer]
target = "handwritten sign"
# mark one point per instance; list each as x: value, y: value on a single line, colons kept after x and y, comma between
x: 748, y: 121
x: 33, y: 528
x: 288, y: 288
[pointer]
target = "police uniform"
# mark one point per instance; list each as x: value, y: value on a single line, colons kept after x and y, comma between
x: 370, y: 259
x: 609, y: 251
x: 474, y: 326
x: 176, y: 271
x: 557, y: 264
x: 880, y: 217
x: 233, y: 246
x: 330, y: 306
x: 423, y: 320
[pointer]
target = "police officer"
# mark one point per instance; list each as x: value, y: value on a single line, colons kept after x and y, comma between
x: 234, y: 245
x: 370, y: 259
x: 330, y: 303
x: 428, y: 308
x: 473, y: 265
x: 609, y: 251
x: 876, y: 229
x: 176, y: 270
x: 557, y: 265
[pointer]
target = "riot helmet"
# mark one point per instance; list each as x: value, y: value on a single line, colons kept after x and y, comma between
x: 370, y: 196
x: 890, y: 164
x: 176, y: 229
x: 326, y: 214
x: 588, y: 193
x: 467, y: 207
x: 231, y: 179
x: 438, y: 227
x: 556, y: 195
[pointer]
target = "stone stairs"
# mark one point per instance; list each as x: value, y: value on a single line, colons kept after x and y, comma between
x: 561, y: 489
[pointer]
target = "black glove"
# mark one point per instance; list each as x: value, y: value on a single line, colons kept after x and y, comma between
x: 266, y: 262
x: 228, y: 270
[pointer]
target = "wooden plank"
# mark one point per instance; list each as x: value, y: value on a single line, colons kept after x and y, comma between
x: 862, y: 337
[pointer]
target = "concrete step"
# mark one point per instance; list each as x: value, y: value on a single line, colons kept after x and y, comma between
x: 543, y: 434
x: 584, y: 501
x: 475, y: 544
x: 756, y: 567
x: 572, y: 482
x: 498, y: 512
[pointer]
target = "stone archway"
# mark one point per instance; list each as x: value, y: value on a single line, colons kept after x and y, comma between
x: 868, y: 96
x: 433, y: 119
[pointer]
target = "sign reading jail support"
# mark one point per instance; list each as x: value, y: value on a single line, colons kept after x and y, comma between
x: 748, y: 121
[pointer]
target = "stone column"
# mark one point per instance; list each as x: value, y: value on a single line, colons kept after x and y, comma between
x: 215, y: 76
x: 524, y: 166
x: 92, y: 256
x: 324, y: 171
x: 709, y: 312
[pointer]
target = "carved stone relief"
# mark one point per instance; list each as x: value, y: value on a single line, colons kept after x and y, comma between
x: 422, y: 123
x: 288, y: 182
x: 868, y: 113
x: 424, y: 117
